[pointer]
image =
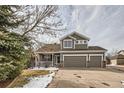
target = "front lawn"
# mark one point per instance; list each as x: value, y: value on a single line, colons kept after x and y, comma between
x: 23, y: 78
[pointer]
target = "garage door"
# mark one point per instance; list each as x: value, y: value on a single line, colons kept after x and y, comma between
x: 95, y: 61
x: 74, y: 61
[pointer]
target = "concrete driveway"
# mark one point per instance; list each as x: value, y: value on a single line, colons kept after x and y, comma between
x: 88, y: 78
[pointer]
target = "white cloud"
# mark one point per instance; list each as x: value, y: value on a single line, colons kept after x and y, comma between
x: 103, y: 24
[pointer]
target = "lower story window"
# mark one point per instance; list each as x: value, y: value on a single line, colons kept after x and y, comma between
x: 47, y: 57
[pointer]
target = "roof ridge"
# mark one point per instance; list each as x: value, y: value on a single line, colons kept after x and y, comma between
x: 80, y: 34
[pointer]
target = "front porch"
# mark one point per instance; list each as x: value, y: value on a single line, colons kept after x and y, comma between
x: 47, y: 60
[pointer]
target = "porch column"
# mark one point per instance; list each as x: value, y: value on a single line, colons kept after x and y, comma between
x: 36, y: 60
x: 52, y: 59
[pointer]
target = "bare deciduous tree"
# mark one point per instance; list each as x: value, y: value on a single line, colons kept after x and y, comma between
x: 39, y: 20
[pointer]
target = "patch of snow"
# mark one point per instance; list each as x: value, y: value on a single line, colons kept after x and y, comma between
x: 122, y: 82
x: 40, y: 81
x: 43, y: 68
x: 112, y: 65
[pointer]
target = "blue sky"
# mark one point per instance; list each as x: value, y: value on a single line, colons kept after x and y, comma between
x: 104, y: 25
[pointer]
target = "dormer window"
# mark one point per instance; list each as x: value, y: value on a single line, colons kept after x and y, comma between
x: 67, y: 43
x: 85, y: 41
x: 81, y: 42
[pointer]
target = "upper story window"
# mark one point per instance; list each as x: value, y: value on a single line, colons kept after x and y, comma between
x: 67, y: 43
x: 85, y: 41
x: 81, y: 42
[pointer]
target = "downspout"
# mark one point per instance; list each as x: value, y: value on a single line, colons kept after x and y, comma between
x: 52, y: 59
x: 87, y: 60
x: 102, y: 61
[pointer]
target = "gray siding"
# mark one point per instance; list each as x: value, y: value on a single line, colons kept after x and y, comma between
x: 77, y: 46
x: 120, y: 61
x: 80, y: 46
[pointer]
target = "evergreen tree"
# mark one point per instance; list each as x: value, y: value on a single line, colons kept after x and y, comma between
x: 13, y: 55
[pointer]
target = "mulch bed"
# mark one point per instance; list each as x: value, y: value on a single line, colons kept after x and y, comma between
x: 4, y: 84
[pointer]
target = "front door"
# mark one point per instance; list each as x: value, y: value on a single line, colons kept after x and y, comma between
x: 57, y: 59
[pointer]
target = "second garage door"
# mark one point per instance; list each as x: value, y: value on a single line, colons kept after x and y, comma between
x: 95, y: 61
x: 74, y: 61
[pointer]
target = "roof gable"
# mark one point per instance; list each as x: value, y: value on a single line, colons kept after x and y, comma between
x: 76, y: 35
x: 117, y: 57
x: 121, y: 52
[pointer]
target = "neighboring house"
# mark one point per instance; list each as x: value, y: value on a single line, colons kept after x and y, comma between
x: 73, y: 51
x: 118, y: 59
x: 121, y: 52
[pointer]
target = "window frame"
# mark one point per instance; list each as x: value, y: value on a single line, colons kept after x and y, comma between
x: 85, y: 41
x: 79, y: 41
x: 47, y: 57
x: 66, y: 40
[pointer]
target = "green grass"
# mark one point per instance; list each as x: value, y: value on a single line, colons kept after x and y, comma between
x: 22, y: 79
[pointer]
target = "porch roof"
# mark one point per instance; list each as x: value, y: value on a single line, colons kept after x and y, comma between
x: 49, y: 48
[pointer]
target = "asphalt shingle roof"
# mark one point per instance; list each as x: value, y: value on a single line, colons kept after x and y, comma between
x: 49, y: 48
x: 57, y: 48
x: 118, y: 57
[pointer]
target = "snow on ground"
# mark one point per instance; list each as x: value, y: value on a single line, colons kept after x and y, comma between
x: 112, y: 65
x: 43, y: 68
x: 122, y: 82
x: 43, y: 80
x: 40, y: 81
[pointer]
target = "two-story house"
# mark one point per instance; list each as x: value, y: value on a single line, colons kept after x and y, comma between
x: 73, y: 51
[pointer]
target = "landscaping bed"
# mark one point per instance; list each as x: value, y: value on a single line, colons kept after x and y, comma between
x: 4, y: 84
x: 23, y: 79
x: 34, y: 78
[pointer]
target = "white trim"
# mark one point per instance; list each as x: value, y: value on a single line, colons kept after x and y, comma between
x: 86, y: 41
x: 72, y: 37
x: 38, y: 57
x: 104, y: 59
x: 56, y: 58
x: 85, y: 51
x: 86, y: 55
x: 97, y: 55
x: 36, y: 60
x: 61, y: 43
x: 52, y: 59
x: 47, y: 52
x: 67, y: 40
x: 82, y: 42
x: 74, y: 44
x: 75, y: 33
